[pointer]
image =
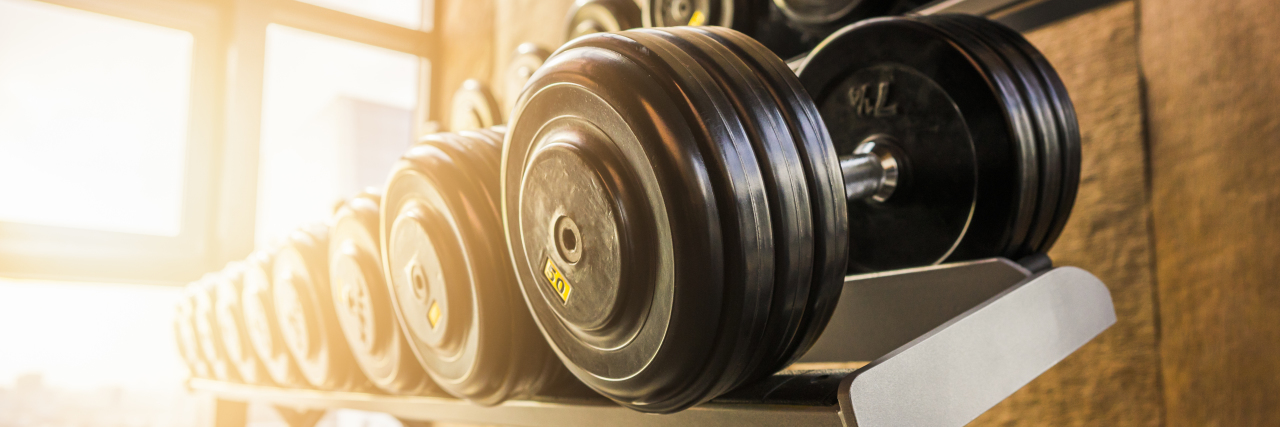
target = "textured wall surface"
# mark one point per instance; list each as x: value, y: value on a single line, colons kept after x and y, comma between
x: 1114, y: 380
x: 1213, y: 82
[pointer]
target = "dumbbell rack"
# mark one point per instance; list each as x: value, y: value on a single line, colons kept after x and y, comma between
x: 947, y: 343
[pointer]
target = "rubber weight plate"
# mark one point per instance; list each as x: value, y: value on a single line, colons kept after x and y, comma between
x: 820, y: 12
x: 362, y: 304
x: 967, y: 187
x: 736, y: 14
x: 527, y: 58
x: 231, y: 326
x: 449, y: 276
x: 601, y: 16
x: 185, y: 336
x: 787, y: 27
x: 787, y: 195
x: 305, y: 312
x: 1045, y: 121
x: 757, y: 18
x: 823, y: 181
x: 257, y: 305
x: 794, y: 26
x: 1021, y: 107
x: 473, y: 107
x: 208, y: 337
x: 1057, y: 123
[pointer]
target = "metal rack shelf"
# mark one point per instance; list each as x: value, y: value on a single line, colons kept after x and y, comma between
x: 947, y: 343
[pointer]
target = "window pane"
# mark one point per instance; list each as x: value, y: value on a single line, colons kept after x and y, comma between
x: 405, y: 13
x: 336, y: 115
x: 93, y: 119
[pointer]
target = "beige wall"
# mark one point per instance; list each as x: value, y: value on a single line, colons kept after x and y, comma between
x: 1212, y: 70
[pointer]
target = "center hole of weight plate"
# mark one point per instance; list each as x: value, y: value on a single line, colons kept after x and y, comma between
x: 568, y: 239
x: 680, y: 9
x: 418, y: 280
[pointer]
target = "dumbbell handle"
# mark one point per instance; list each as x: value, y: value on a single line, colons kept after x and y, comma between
x: 870, y: 172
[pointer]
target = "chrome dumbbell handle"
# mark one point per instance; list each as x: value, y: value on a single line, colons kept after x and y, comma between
x: 872, y: 171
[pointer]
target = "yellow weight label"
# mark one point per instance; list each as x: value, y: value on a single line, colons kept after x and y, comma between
x: 697, y: 19
x: 433, y: 314
x: 557, y: 281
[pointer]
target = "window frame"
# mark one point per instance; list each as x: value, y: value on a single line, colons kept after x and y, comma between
x: 223, y: 133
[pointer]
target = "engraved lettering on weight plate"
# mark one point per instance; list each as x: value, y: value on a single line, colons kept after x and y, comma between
x: 875, y: 106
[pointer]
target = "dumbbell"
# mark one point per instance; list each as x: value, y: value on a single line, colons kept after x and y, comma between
x: 259, y: 311
x: 527, y: 58
x: 208, y: 336
x: 449, y: 275
x: 1021, y: 141
x: 185, y: 336
x: 305, y: 312
x: 474, y: 107
x: 787, y: 27
x: 681, y: 212
x: 363, y: 306
x: 601, y: 16
x: 234, y: 337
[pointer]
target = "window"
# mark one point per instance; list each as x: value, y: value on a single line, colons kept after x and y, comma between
x: 405, y: 13
x: 336, y: 116
x: 150, y: 141
x: 93, y: 119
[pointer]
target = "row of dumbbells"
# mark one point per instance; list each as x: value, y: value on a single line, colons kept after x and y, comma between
x: 788, y: 28
x: 667, y: 216
x: 323, y: 309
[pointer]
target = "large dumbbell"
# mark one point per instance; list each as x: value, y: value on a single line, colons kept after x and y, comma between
x: 304, y: 309
x: 787, y: 27
x: 363, y: 305
x: 208, y: 336
x: 680, y: 212
x: 450, y: 277
x: 258, y: 308
x: 185, y: 336
x: 227, y: 289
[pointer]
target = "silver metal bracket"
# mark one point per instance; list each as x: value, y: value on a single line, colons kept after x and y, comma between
x: 946, y: 343
x: 989, y: 328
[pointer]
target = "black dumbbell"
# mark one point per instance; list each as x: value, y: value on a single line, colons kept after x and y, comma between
x: 450, y: 277
x: 681, y: 213
x: 362, y: 303
x: 231, y: 326
x: 601, y: 16
x: 185, y: 336
x: 986, y: 158
x: 208, y: 336
x: 259, y: 312
x: 787, y: 27
x: 305, y: 312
